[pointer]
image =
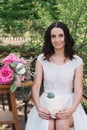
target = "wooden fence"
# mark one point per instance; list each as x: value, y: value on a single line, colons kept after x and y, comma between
x: 13, y: 40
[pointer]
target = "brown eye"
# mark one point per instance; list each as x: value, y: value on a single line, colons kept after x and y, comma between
x: 61, y: 35
x: 52, y: 36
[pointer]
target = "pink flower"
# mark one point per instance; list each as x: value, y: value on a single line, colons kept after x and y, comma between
x: 13, y: 71
x: 10, y: 59
x: 22, y: 60
x: 18, y: 81
x: 6, y: 75
x: 21, y: 77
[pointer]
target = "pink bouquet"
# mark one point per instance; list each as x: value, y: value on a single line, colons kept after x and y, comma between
x: 14, y: 70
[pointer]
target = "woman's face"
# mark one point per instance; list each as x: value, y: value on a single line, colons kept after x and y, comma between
x: 58, y: 38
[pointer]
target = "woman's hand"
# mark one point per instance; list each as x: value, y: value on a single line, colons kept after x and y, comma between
x: 43, y: 113
x: 64, y: 113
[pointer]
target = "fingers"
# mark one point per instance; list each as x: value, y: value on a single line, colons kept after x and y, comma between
x: 61, y: 116
x: 44, y: 114
x: 65, y: 112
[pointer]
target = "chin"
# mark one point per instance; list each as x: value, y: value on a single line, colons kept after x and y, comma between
x: 59, y: 48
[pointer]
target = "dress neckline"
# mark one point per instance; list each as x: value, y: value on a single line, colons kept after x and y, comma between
x: 60, y: 65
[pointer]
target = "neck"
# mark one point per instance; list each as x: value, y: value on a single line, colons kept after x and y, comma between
x: 59, y: 53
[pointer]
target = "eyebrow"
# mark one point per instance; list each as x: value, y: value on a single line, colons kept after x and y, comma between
x: 58, y: 34
x: 53, y: 35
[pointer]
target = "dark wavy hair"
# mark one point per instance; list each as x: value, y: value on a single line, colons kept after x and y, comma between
x: 48, y: 49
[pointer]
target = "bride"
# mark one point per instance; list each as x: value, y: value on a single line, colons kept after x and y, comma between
x: 61, y: 71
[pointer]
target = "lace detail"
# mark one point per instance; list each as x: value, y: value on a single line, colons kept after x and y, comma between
x: 59, y: 77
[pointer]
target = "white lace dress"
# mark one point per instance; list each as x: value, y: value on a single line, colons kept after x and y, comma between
x: 59, y: 80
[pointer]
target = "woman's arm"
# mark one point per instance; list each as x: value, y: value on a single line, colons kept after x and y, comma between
x: 37, y: 84
x: 36, y: 91
x: 78, y: 86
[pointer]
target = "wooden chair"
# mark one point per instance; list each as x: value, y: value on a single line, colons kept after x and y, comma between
x: 10, y: 116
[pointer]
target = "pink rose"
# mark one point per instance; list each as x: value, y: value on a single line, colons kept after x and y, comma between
x: 10, y: 59
x: 6, y: 75
x: 22, y: 60
x: 21, y: 77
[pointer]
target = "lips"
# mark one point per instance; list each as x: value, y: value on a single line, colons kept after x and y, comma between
x: 57, y: 44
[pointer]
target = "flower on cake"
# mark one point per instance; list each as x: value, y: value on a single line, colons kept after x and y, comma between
x: 53, y: 104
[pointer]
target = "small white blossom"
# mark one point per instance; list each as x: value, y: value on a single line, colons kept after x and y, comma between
x: 20, y: 69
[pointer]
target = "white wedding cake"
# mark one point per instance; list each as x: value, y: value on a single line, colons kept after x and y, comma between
x: 53, y: 104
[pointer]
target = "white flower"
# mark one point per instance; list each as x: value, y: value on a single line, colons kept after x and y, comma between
x: 20, y: 69
x: 53, y: 105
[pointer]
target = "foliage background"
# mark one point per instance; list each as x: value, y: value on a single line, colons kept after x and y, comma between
x: 30, y: 18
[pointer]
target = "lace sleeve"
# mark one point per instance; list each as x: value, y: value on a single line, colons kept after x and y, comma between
x: 78, y: 61
x: 40, y: 58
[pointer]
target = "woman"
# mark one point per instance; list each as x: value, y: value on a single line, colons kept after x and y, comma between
x: 61, y: 71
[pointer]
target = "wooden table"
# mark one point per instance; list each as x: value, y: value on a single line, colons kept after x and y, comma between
x: 11, y: 116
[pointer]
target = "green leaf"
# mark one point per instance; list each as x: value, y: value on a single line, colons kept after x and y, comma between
x: 14, y: 78
x: 13, y: 88
x: 18, y: 69
x: 12, y: 65
x: 50, y: 95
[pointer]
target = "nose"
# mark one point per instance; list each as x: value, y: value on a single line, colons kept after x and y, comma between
x: 57, y: 38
